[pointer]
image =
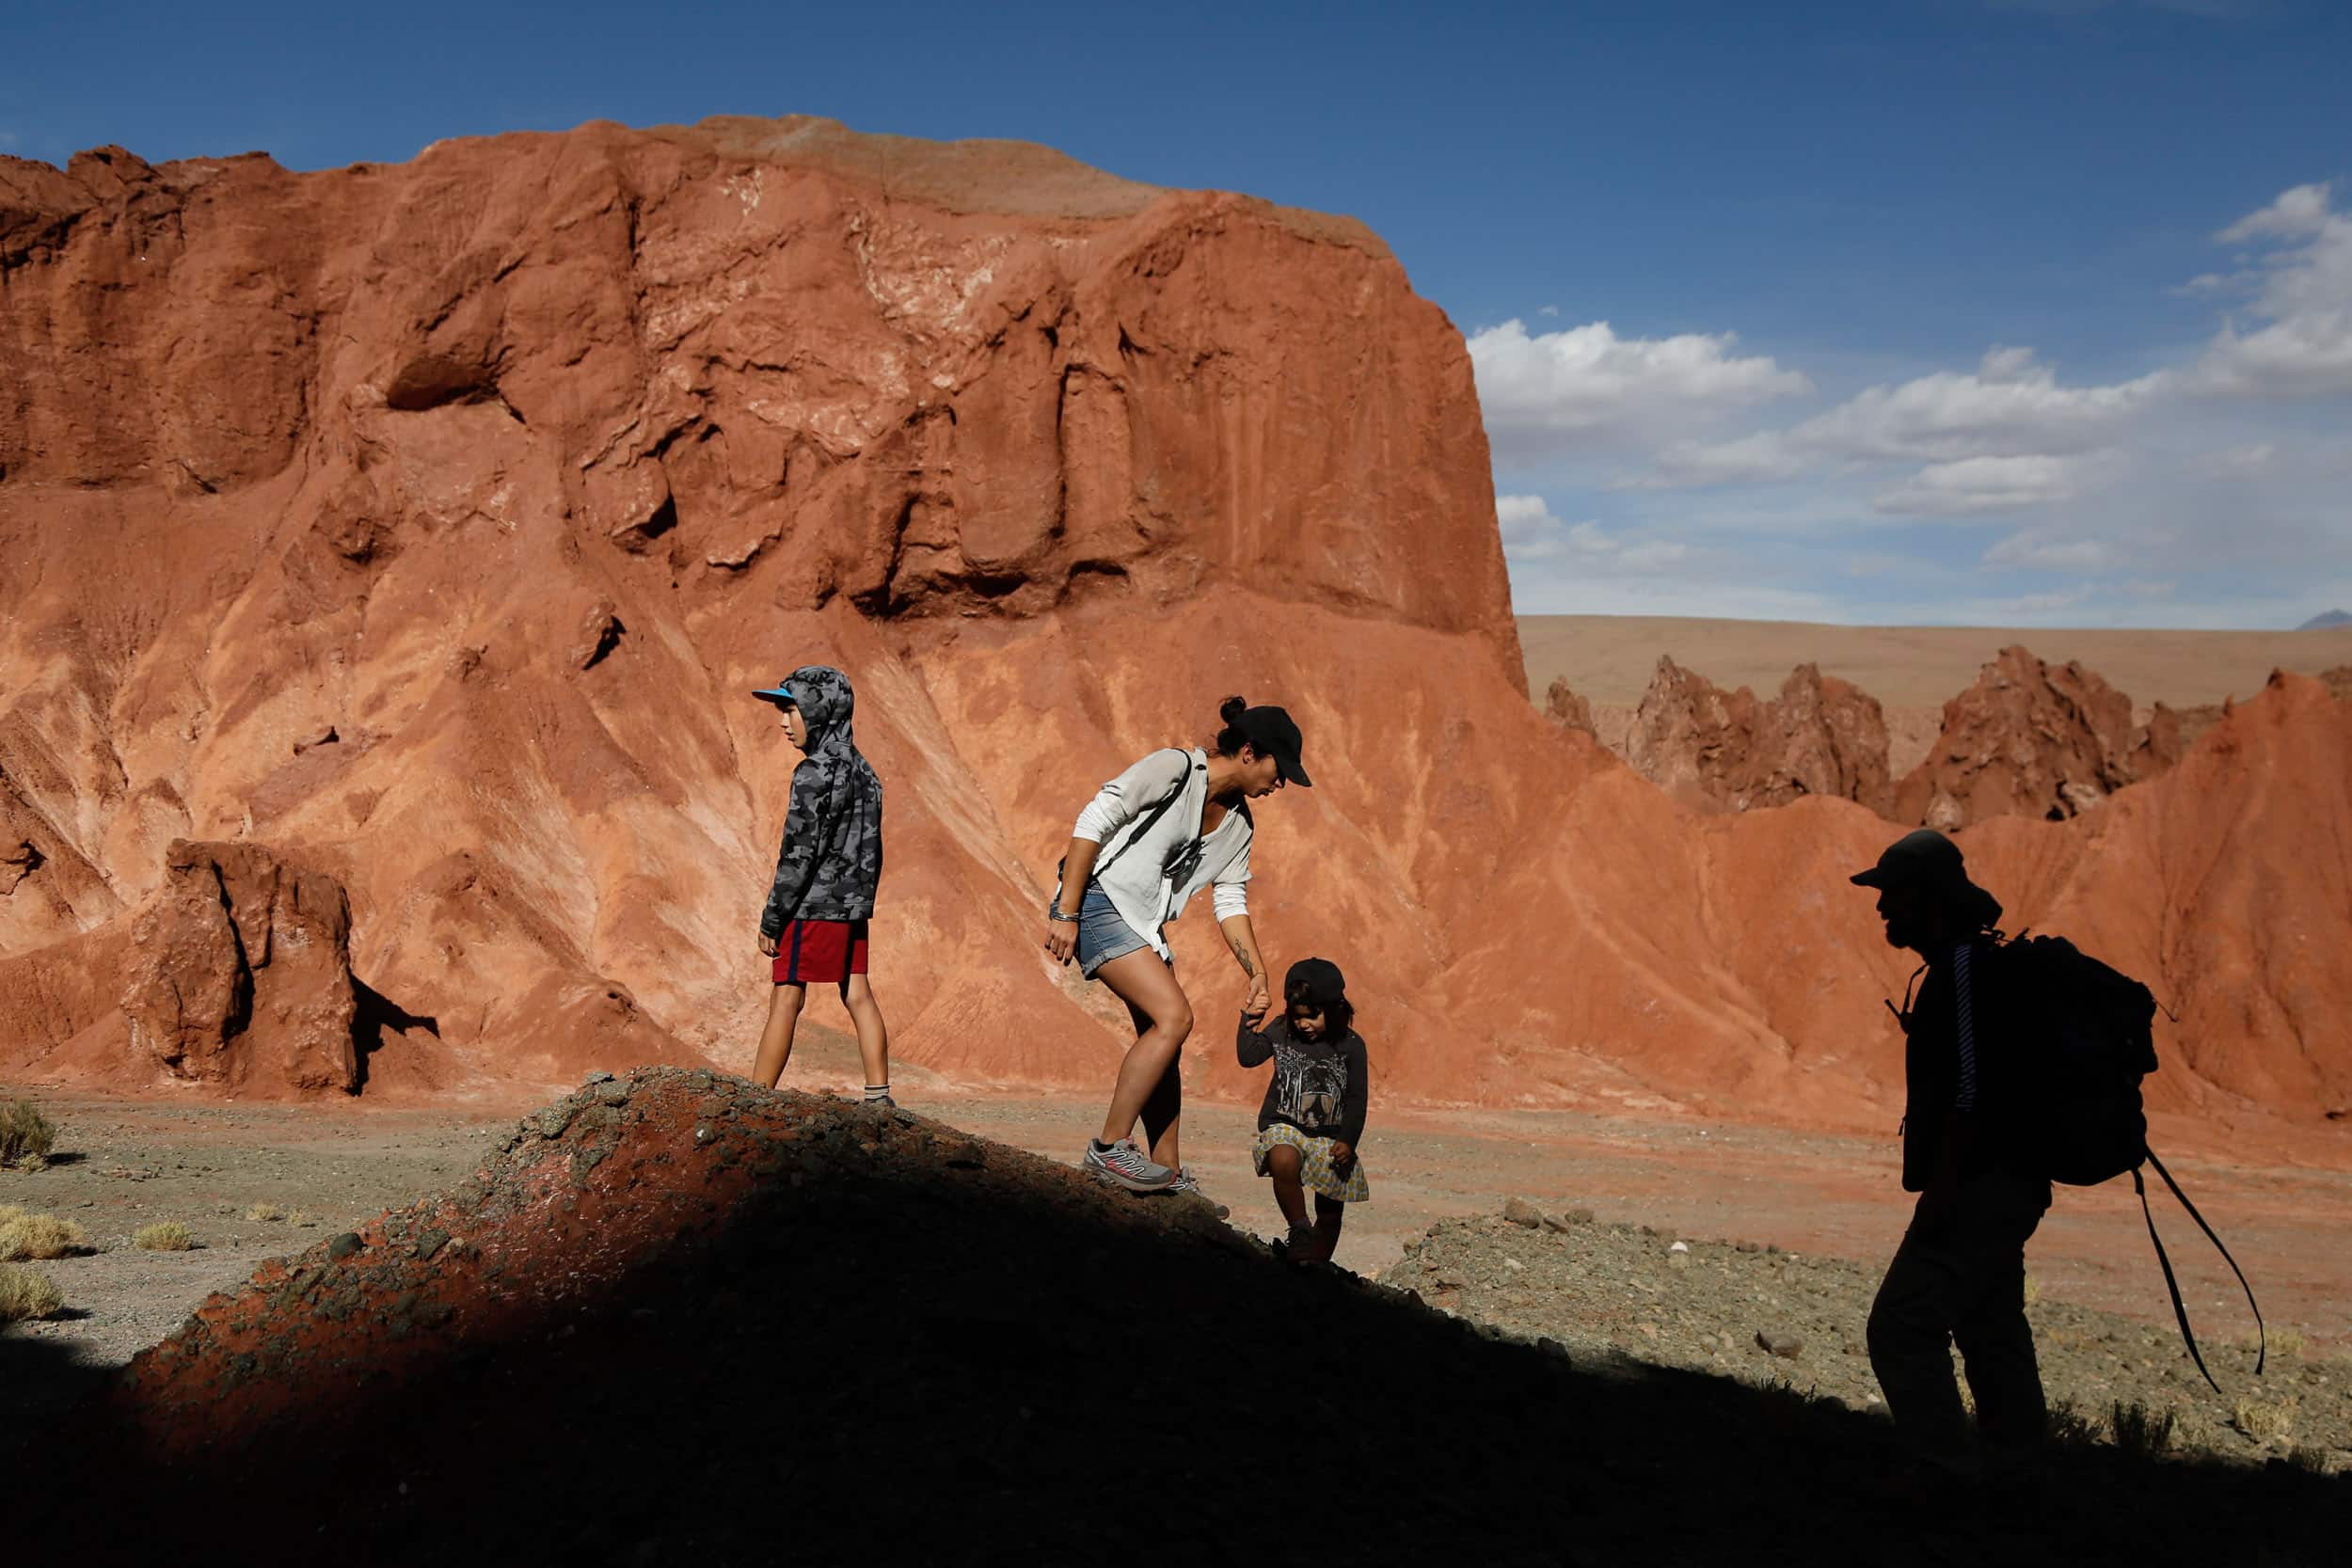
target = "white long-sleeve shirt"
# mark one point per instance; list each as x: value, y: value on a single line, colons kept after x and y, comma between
x: 1134, y: 861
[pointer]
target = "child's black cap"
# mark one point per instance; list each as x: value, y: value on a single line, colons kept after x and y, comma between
x: 1316, y: 982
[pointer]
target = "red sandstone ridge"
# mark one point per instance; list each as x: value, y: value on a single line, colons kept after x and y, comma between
x: 433, y: 523
x: 429, y: 525
x: 1723, y: 750
x: 2034, y: 740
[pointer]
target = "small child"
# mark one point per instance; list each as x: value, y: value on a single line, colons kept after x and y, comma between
x: 1313, y: 1113
x: 827, y: 871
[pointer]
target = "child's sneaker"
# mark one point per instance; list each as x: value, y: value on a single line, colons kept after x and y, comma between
x: 1185, y: 1187
x: 1299, y: 1247
x: 1126, y: 1165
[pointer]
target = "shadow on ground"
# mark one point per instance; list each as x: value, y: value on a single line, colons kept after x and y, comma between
x: 684, y: 1319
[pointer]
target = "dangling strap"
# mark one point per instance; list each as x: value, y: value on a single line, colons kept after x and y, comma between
x: 2171, y: 1284
x: 2262, y: 1335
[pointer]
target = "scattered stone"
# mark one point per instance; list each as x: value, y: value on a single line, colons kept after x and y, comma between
x: 1520, y: 1211
x: 344, y: 1245
x: 1786, y: 1346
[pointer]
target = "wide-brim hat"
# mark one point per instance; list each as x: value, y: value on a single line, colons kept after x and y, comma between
x: 1925, y: 858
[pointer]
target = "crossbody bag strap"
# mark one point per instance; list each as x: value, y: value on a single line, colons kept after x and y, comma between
x: 1150, y: 818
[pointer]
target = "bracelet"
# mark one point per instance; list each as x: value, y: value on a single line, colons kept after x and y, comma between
x: 1053, y: 911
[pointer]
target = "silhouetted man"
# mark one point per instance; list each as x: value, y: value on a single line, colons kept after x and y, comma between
x: 1960, y: 1275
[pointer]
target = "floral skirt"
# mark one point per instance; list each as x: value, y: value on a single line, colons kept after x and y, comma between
x: 1315, y: 1166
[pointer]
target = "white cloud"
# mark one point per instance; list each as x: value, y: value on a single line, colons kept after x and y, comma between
x: 2011, y: 406
x: 1549, y: 311
x: 1532, y: 533
x: 2038, y: 551
x: 1975, y: 484
x: 2207, y: 491
x: 2302, y: 288
x: 2295, y: 214
x: 1553, y: 390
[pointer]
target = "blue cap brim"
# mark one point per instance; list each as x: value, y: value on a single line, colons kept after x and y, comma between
x: 778, y: 695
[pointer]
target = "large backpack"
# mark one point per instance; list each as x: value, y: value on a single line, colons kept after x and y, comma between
x: 2083, y: 1036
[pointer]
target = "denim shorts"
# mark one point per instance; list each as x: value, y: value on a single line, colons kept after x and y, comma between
x: 1104, y: 933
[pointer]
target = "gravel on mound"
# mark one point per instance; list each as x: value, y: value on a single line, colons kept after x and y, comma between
x: 1774, y: 1319
x: 679, y: 1319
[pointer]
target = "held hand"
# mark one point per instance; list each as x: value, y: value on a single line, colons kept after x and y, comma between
x: 1061, y: 940
x: 1343, y: 1156
x: 767, y: 945
x: 1254, y: 1005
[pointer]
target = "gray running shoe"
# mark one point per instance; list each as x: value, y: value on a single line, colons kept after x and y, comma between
x: 1126, y: 1166
x: 1185, y: 1187
x: 1299, y: 1245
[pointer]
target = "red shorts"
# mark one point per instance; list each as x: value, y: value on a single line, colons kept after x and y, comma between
x: 820, y: 952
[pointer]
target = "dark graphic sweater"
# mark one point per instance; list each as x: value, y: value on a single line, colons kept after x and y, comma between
x: 831, y: 863
x: 1320, y: 1086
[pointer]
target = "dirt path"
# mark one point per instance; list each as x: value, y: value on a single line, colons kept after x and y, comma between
x: 126, y: 1162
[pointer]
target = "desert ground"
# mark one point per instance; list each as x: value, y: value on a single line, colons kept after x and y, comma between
x: 256, y: 1181
x: 253, y: 1182
x: 1609, y: 659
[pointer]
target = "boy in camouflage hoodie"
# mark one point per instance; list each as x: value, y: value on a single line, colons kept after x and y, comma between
x: 814, y: 925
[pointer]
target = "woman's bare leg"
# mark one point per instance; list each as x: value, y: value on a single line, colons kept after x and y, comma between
x: 1163, y: 1114
x: 873, y: 1035
x: 1142, y: 981
x: 775, y: 1042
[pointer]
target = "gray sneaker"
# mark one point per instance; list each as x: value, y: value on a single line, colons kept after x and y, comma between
x: 1186, y: 1187
x: 1126, y: 1166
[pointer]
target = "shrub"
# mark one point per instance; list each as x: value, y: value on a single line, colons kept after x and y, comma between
x: 42, y: 1236
x: 2139, y: 1432
x: 27, y: 1293
x: 2070, y: 1426
x: 2033, y: 1292
x: 163, y: 1236
x: 2264, y: 1423
x: 266, y: 1212
x: 26, y: 1136
x: 301, y: 1217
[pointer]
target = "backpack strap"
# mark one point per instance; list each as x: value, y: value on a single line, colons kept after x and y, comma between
x: 1144, y: 824
x: 2179, y: 1311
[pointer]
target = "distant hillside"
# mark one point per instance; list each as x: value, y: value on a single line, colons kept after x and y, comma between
x: 1610, y: 658
x: 2332, y: 618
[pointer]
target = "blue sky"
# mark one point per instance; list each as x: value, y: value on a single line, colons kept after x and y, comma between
x: 1916, y: 310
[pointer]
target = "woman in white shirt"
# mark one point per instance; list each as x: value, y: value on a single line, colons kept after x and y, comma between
x: 1174, y: 823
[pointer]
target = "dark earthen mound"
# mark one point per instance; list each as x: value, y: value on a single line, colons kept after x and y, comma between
x: 676, y: 1319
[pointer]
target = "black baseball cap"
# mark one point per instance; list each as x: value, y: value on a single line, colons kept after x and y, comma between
x: 1316, y: 982
x: 1925, y: 858
x: 1271, y: 734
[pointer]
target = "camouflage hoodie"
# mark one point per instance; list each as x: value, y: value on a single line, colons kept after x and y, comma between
x: 831, y: 862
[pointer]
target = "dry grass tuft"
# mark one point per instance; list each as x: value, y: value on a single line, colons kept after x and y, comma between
x: 2264, y: 1422
x: 268, y: 1213
x: 44, y: 1236
x: 2033, y: 1292
x: 27, y: 1293
x: 163, y: 1236
x: 2139, y: 1430
x: 301, y: 1217
x: 26, y: 1136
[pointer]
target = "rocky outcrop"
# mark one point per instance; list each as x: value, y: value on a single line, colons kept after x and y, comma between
x: 242, y: 972
x: 2034, y: 740
x: 1723, y: 750
x: 1563, y: 707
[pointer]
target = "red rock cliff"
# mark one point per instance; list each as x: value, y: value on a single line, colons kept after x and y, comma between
x: 431, y: 525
